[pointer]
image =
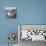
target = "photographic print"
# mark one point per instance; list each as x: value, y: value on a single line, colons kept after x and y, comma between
x: 10, y: 12
x: 31, y: 33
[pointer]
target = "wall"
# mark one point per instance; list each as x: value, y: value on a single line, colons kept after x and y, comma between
x: 28, y: 12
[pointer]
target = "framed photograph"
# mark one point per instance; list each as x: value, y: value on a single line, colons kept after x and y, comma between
x: 31, y: 32
x: 10, y: 12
